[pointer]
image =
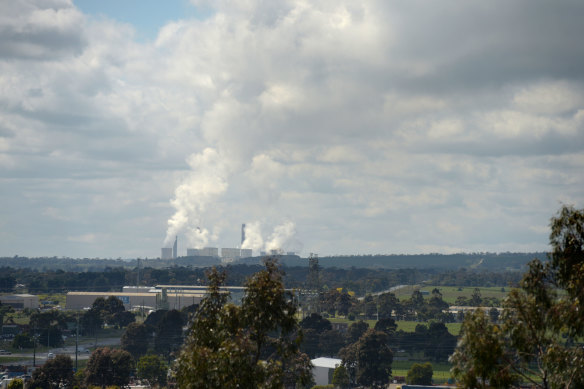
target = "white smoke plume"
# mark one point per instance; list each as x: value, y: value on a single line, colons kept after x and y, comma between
x: 197, y: 237
x: 253, y: 237
x: 206, y: 180
x: 282, y: 237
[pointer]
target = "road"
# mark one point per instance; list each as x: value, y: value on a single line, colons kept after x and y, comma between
x: 84, y: 352
x: 390, y: 290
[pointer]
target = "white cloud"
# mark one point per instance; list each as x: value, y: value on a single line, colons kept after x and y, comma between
x: 354, y: 127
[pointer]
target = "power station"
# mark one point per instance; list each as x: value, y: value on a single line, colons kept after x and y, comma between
x: 227, y: 254
x: 170, y: 252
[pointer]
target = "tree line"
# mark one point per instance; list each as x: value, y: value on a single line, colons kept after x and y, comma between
x: 358, y: 280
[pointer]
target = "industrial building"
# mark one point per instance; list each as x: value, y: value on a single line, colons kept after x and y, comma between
x: 204, y: 252
x: 170, y: 252
x: 20, y: 301
x: 166, y: 253
x: 323, y: 368
x: 233, y: 253
x: 152, y: 299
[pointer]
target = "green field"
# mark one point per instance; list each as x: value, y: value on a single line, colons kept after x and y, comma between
x: 441, y: 370
x: 407, y: 326
x: 450, y: 293
x: 410, y: 326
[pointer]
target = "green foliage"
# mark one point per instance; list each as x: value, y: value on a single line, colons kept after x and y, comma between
x: 316, y: 322
x: 15, y: 384
x: 330, y: 342
x: 368, y: 360
x: 23, y: 340
x: 341, y: 379
x: 420, y: 374
x: 7, y: 284
x: 169, y: 333
x: 55, y: 373
x: 479, y: 357
x: 135, y: 339
x: 108, y: 366
x: 90, y: 322
x: 319, y: 338
x: 356, y: 330
x: 252, y: 346
x: 541, y: 321
x: 4, y: 309
x: 386, y: 325
x: 152, y: 368
x: 387, y: 303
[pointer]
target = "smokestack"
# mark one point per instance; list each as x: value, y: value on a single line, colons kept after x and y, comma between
x: 174, y: 248
x: 242, y: 233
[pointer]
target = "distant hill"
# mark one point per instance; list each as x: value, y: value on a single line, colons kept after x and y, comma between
x: 472, y: 261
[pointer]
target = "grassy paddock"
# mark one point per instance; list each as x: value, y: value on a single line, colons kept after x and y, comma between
x: 450, y: 293
x: 410, y: 326
x: 407, y: 326
x: 441, y: 370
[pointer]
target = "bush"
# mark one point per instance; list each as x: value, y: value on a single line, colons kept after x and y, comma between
x: 420, y: 374
x: 351, y: 316
x: 15, y: 384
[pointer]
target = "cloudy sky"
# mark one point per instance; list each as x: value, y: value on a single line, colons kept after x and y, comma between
x: 334, y: 127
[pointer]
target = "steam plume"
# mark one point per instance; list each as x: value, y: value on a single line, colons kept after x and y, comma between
x: 253, y: 237
x: 207, y: 179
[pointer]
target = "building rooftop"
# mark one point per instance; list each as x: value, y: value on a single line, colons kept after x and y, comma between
x: 331, y: 363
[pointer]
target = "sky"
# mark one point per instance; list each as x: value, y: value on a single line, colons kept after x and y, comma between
x: 332, y: 127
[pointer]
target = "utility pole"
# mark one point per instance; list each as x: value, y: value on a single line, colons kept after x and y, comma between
x: 34, y: 346
x: 313, y: 283
x: 76, y: 341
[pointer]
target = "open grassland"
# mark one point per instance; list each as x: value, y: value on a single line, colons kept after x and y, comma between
x: 407, y: 326
x: 451, y: 293
x: 410, y: 326
x: 441, y: 370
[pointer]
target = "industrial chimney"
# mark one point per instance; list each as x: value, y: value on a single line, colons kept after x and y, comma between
x: 174, y: 248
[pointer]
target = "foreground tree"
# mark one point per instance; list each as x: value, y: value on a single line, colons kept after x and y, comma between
x: 541, y: 321
x: 479, y: 358
x: 108, y: 367
x: 252, y: 346
x: 55, y: 373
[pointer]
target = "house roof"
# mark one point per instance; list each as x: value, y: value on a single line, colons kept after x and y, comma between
x: 331, y: 363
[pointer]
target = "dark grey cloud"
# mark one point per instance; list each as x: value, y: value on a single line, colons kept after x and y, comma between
x: 451, y: 46
x: 39, y: 30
